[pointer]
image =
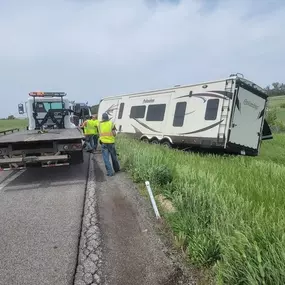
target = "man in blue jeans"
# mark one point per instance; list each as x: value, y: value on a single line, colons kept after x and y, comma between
x: 107, y: 133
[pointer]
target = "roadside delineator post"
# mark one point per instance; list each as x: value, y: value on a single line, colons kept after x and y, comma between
x: 147, y: 184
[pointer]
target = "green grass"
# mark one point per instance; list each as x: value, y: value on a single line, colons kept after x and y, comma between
x: 230, y: 210
x: 12, y: 124
x: 276, y: 101
x: 281, y: 114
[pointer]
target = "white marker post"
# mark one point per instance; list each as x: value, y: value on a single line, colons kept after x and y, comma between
x: 147, y: 184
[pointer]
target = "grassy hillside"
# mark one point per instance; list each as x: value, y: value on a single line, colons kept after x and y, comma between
x: 278, y: 104
x: 229, y: 210
x: 11, y: 124
x: 276, y: 101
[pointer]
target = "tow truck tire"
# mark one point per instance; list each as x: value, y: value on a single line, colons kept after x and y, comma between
x: 76, y: 157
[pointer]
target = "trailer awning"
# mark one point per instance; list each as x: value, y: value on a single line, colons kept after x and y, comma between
x: 266, y: 132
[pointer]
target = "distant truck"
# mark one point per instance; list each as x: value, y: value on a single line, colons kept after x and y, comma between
x: 51, y: 138
x: 226, y: 114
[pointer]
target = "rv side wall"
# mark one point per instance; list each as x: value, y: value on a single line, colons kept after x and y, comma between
x: 189, y: 115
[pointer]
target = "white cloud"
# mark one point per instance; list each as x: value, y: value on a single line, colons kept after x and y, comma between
x: 93, y: 49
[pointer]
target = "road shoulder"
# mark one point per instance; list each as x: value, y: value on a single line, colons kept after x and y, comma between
x: 133, y: 253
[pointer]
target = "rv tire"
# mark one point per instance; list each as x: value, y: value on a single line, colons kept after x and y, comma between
x: 145, y: 140
x: 166, y: 144
x: 154, y: 141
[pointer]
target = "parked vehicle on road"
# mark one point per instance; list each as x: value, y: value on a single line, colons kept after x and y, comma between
x: 51, y: 138
x: 226, y: 114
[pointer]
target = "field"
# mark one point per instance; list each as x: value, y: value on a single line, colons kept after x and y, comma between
x: 12, y: 124
x: 277, y: 102
x: 229, y: 210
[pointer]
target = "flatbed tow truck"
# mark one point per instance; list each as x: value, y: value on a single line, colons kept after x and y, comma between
x: 51, y: 139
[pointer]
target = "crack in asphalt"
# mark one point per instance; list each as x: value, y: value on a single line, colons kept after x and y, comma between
x: 90, y: 251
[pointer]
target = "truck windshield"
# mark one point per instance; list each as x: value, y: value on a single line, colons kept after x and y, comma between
x: 43, y: 107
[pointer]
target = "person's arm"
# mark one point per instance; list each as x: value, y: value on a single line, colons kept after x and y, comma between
x: 114, y: 130
x: 83, y: 124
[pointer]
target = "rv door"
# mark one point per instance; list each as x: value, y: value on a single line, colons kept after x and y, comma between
x: 248, y: 116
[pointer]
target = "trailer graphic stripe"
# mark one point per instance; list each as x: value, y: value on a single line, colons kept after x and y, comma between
x: 137, y: 130
x: 203, y: 129
x: 226, y: 94
x: 146, y: 126
x: 261, y: 114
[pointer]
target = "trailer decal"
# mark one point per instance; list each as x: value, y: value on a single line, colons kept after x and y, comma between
x: 110, y: 110
x: 203, y: 129
x: 210, y: 94
x: 261, y: 114
x: 137, y: 130
x: 238, y: 104
x: 146, y: 126
x: 189, y: 113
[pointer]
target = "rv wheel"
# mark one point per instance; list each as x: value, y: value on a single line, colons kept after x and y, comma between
x: 154, y: 141
x: 166, y: 144
x: 145, y: 140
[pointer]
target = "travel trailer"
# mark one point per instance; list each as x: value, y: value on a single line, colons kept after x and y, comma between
x: 226, y: 114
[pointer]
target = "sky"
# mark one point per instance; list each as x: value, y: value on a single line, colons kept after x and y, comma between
x: 97, y: 48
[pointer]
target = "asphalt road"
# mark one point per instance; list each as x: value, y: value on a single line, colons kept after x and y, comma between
x: 40, y: 223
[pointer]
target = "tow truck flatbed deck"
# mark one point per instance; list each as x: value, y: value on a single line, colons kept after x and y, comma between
x: 34, y: 136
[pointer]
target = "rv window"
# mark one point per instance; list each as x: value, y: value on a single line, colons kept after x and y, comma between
x: 212, y: 109
x: 155, y: 112
x: 121, y: 110
x: 137, y: 112
x: 179, y: 114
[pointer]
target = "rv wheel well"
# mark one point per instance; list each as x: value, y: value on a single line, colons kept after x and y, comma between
x: 154, y: 139
x: 165, y: 140
x: 144, y: 139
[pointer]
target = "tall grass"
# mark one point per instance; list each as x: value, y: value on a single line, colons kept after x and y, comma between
x: 230, y: 210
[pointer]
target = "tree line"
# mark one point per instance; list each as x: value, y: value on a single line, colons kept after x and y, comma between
x: 275, y: 89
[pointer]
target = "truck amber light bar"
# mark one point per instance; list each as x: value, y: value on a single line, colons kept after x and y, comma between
x: 47, y: 94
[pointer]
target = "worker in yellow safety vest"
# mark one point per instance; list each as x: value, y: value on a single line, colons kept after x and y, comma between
x: 90, y: 127
x: 107, y: 134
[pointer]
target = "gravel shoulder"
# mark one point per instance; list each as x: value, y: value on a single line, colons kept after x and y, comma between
x: 133, y: 253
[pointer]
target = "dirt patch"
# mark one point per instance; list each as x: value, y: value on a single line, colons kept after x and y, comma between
x: 166, y: 204
x: 133, y: 253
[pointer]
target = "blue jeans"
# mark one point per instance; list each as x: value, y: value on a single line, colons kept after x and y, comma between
x: 89, y: 142
x: 108, y: 149
x: 92, y: 142
x: 95, y: 141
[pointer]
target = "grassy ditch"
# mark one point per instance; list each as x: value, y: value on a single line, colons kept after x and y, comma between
x: 229, y: 210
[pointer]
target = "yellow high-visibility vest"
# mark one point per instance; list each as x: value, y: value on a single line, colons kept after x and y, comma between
x: 90, y: 128
x: 105, y: 132
x: 96, y: 124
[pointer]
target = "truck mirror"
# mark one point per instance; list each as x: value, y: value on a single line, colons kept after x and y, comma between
x: 21, y: 109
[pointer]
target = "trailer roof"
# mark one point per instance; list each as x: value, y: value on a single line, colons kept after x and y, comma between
x: 246, y: 81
